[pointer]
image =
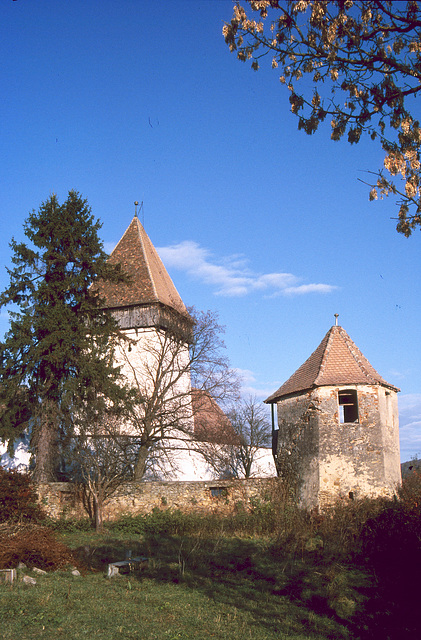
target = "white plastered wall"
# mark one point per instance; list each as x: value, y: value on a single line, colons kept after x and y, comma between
x: 150, y: 348
x: 152, y: 354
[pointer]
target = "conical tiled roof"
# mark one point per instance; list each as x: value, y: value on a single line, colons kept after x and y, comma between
x: 149, y: 280
x: 336, y: 361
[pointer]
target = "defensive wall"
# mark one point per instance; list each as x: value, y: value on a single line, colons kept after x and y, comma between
x: 65, y: 500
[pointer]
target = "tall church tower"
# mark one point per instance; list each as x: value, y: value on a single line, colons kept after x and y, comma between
x: 156, y: 363
x: 149, y: 299
x: 155, y: 358
x: 148, y: 304
x: 338, y: 426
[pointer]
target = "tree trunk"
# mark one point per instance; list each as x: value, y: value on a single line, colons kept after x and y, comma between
x: 98, y: 513
x: 140, y: 467
x: 45, y: 447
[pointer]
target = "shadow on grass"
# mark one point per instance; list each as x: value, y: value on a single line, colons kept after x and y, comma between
x: 96, y: 557
x: 282, y: 595
x: 302, y: 593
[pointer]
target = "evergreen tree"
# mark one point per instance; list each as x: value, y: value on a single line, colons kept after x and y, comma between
x: 58, y: 353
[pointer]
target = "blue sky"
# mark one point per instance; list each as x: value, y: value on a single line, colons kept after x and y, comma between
x: 128, y: 100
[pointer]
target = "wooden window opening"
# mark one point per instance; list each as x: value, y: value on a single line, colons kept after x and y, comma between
x: 348, y: 406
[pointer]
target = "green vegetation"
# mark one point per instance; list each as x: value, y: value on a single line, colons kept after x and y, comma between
x: 194, y: 587
x: 267, y: 571
x: 65, y: 607
x: 56, y: 358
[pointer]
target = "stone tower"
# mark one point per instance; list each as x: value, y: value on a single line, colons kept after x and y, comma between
x: 338, y: 426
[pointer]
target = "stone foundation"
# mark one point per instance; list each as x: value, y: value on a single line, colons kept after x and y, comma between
x: 63, y: 500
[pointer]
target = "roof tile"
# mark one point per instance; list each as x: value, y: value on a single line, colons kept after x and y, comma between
x: 149, y: 280
x: 336, y: 361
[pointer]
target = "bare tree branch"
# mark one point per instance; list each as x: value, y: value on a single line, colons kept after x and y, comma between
x: 164, y: 414
x: 236, y: 451
x: 363, y: 60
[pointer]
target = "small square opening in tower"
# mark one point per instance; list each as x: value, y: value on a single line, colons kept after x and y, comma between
x: 348, y: 406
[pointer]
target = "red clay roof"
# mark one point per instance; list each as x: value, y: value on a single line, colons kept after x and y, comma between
x: 211, y: 424
x: 150, y: 282
x: 336, y: 361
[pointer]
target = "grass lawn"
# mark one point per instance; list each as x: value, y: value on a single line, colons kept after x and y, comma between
x: 194, y: 587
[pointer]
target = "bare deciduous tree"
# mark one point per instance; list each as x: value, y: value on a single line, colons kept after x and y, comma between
x: 245, y: 431
x: 162, y: 419
x: 355, y: 63
x: 100, y: 460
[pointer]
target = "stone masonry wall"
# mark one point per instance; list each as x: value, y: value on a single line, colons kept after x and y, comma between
x: 61, y: 499
x: 298, y: 447
x: 333, y: 460
x: 354, y: 459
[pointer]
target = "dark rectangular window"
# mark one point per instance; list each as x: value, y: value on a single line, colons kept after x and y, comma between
x: 348, y: 406
x: 218, y: 492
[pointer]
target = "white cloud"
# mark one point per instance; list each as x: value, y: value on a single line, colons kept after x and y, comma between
x: 231, y: 277
x: 309, y: 288
x: 250, y: 391
x: 246, y: 376
x: 250, y: 387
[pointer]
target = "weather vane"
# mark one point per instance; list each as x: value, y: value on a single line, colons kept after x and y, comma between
x: 136, y: 204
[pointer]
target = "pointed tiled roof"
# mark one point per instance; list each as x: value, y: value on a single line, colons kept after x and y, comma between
x: 149, y: 280
x: 336, y: 361
x: 211, y: 424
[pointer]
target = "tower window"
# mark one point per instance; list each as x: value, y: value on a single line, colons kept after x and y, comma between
x: 348, y: 406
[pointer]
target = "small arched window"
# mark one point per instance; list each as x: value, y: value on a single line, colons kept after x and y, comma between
x: 348, y: 406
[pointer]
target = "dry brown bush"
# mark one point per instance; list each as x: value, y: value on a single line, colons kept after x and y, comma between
x: 18, y: 498
x: 35, y: 546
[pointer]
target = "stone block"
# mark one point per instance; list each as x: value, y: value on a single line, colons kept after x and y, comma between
x: 126, y: 566
x: 40, y: 572
x: 7, y: 575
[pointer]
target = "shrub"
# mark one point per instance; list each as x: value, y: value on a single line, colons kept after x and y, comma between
x: 33, y: 545
x: 342, y: 526
x: 70, y: 525
x: 160, y: 522
x: 391, y: 546
x: 410, y: 492
x: 128, y: 524
x: 391, y: 537
x: 18, y: 499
